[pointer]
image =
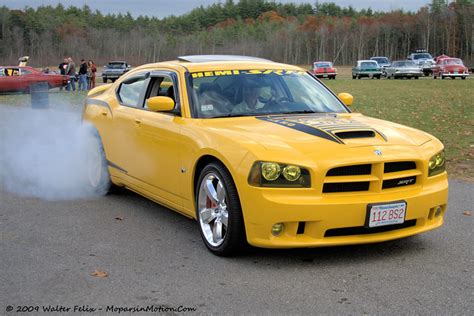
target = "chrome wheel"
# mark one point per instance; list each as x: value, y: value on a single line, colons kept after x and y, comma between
x: 212, y: 209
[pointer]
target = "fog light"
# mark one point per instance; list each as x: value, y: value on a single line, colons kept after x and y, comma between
x: 438, y: 210
x: 277, y: 229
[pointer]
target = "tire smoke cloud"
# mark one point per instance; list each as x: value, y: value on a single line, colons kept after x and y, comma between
x: 44, y: 153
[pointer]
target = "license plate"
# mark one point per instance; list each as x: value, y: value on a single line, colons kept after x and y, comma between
x: 455, y: 72
x: 325, y: 76
x: 383, y: 214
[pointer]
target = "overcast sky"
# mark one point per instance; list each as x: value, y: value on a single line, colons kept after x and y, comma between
x: 162, y: 8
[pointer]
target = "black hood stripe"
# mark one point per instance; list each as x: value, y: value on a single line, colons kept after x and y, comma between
x: 320, y: 127
x: 302, y: 128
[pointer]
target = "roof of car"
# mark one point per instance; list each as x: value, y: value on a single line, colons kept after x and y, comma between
x: 208, y: 58
x: 219, y: 62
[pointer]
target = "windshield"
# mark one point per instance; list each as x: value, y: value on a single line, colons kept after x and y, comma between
x: 116, y: 65
x: 369, y: 64
x: 404, y: 64
x: 422, y: 56
x: 322, y: 65
x: 381, y: 60
x: 252, y: 92
x: 453, y: 62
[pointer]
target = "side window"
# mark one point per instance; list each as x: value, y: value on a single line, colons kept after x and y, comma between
x: 11, y: 72
x: 25, y: 72
x: 164, y: 86
x: 131, y: 91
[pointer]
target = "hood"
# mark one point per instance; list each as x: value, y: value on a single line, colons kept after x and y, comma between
x: 306, y: 133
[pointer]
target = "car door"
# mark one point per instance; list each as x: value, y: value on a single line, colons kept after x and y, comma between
x: 127, y: 148
x: 160, y: 140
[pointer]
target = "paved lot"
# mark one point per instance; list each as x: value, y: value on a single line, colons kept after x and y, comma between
x: 155, y: 256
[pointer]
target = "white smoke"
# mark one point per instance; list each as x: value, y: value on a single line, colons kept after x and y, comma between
x: 43, y: 153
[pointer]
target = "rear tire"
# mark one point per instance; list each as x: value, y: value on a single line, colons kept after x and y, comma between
x: 97, y: 170
x: 218, y: 211
x: 104, y: 79
x: 353, y: 76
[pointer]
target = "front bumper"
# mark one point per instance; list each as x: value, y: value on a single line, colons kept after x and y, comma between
x: 454, y: 75
x: 325, y: 75
x: 368, y: 73
x: 315, y: 219
x: 112, y: 75
x: 408, y: 74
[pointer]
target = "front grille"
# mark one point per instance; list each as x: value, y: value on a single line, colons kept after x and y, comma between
x: 350, y: 170
x: 399, y: 166
x: 399, y: 182
x: 362, y: 177
x: 361, y: 230
x: 346, y: 187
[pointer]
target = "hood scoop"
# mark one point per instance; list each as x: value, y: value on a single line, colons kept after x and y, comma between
x: 355, y: 134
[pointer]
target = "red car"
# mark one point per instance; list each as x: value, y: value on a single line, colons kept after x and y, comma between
x: 20, y: 79
x: 324, y: 69
x: 450, y: 67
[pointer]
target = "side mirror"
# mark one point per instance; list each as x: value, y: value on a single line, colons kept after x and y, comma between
x: 346, y: 98
x: 160, y: 104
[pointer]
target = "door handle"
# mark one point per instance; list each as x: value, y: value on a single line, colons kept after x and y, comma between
x: 104, y: 113
x: 138, y: 121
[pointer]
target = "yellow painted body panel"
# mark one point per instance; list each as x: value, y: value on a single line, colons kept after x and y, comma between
x: 156, y: 154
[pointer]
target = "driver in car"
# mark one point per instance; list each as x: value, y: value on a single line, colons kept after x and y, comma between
x: 250, y: 94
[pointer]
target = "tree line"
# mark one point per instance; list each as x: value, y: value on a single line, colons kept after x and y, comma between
x: 290, y: 33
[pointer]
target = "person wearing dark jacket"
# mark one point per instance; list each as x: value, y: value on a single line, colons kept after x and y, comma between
x: 71, y: 72
x: 62, y: 69
x: 83, y: 76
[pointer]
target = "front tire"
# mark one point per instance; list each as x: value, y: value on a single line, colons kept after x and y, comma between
x: 218, y: 211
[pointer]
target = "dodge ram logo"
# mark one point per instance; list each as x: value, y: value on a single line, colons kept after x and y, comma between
x: 378, y: 152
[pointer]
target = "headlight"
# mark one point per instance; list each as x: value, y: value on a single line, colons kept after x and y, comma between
x: 437, y: 164
x: 273, y: 174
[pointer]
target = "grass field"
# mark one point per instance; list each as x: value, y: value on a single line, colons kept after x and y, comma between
x: 444, y: 108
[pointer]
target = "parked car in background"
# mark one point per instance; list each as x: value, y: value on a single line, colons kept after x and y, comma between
x: 114, y: 69
x: 366, y: 68
x: 383, y: 62
x: 450, y: 67
x: 403, y: 69
x: 423, y: 59
x: 20, y: 79
x: 324, y: 69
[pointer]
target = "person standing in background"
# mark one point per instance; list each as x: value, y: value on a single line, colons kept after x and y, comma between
x: 62, y: 69
x: 71, y: 72
x: 92, y: 69
x: 83, y: 76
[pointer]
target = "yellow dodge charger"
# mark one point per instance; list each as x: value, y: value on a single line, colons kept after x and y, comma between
x: 263, y: 153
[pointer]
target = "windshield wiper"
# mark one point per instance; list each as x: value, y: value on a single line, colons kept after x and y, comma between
x: 234, y: 115
x: 300, y: 112
x: 244, y: 114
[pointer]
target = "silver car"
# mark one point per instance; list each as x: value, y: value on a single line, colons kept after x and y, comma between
x: 403, y: 69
